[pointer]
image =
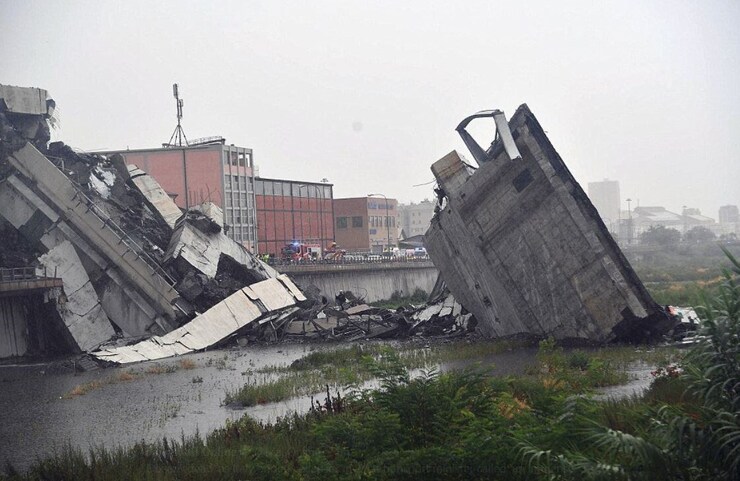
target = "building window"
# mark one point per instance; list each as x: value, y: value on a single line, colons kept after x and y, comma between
x: 341, y: 222
x: 356, y: 221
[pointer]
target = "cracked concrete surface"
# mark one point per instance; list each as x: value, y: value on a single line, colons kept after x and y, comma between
x: 82, y: 313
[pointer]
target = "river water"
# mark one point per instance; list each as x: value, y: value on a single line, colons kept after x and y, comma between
x: 36, y: 418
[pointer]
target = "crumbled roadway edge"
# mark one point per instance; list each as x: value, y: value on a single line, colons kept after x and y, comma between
x: 258, y: 303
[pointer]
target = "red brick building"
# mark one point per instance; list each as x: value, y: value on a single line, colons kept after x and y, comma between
x: 222, y: 174
x: 293, y: 211
x: 365, y: 224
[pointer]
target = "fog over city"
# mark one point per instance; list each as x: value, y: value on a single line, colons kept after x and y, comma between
x: 367, y: 94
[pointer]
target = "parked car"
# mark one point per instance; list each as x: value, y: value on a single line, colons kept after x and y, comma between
x: 420, y: 252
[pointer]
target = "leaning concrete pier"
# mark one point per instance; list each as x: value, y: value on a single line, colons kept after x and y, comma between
x: 520, y: 245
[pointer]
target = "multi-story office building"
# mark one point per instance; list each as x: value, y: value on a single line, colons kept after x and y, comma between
x: 604, y: 196
x: 216, y: 172
x: 365, y: 224
x: 290, y: 211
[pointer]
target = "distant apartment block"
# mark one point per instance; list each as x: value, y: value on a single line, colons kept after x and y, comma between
x: 729, y: 220
x: 365, y: 224
x: 414, y: 219
x: 605, y: 197
x: 729, y: 214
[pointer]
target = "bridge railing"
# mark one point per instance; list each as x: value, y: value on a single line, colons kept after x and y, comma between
x: 369, y: 259
x: 15, y: 274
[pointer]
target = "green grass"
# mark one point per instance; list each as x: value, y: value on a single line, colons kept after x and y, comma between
x: 397, y: 300
x: 691, y: 293
x: 312, y: 373
x: 349, y: 367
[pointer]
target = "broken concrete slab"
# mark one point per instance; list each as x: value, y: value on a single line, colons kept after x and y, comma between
x: 358, y: 309
x: 213, y: 212
x: 40, y: 224
x: 519, y: 245
x: 202, y: 252
x: 312, y: 326
x: 159, y: 201
x: 213, y: 326
x: 81, y: 312
x: 23, y: 100
x: 88, y: 220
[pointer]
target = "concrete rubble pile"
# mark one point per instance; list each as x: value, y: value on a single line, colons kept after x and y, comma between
x: 133, y: 264
x: 520, y: 245
x: 144, y: 280
x: 348, y: 318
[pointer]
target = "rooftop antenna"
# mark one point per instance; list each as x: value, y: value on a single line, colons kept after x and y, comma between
x: 179, y: 134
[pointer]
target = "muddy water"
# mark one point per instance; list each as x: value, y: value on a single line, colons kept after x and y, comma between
x: 35, y: 419
x: 640, y: 377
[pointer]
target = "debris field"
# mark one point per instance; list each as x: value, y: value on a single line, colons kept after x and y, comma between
x: 142, y: 279
x: 519, y: 247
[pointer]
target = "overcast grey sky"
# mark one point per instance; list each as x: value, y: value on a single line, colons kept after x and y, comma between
x: 367, y: 94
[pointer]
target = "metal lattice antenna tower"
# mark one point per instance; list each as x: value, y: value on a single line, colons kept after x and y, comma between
x: 178, y: 136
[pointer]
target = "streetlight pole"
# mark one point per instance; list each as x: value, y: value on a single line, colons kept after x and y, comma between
x: 387, y: 218
x: 629, y: 221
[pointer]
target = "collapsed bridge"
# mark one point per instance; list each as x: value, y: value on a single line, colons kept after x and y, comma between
x: 519, y: 247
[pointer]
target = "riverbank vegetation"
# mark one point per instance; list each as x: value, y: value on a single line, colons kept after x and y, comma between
x: 466, y: 425
x: 398, y: 299
x: 348, y: 368
x: 681, y: 275
x: 456, y: 425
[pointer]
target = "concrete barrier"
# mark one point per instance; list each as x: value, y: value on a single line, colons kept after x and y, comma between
x: 374, y: 282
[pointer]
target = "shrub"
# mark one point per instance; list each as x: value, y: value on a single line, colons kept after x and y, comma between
x: 696, y: 439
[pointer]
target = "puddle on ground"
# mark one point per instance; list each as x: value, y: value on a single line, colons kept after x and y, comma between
x: 640, y: 375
